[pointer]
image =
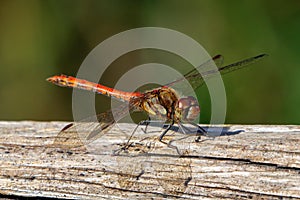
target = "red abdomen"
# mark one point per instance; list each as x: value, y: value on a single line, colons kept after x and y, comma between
x: 69, y: 81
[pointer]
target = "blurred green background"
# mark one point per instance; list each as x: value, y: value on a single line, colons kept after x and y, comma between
x: 42, y: 38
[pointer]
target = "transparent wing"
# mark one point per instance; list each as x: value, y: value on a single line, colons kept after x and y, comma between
x: 196, y: 79
x: 80, y: 133
x: 194, y: 76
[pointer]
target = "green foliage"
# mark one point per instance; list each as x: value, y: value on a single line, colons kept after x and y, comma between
x: 43, y: 38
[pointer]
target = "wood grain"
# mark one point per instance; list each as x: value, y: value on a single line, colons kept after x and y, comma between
x: 245, y: 161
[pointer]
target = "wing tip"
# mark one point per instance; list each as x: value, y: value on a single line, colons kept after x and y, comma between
x: 67, y: 126
x: 262, y: 55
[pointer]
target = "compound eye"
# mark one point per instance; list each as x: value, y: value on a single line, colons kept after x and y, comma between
x: 188, y: 101
x: 189, y: 108
x: 192, y: 113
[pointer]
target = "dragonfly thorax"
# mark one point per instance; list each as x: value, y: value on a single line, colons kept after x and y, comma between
x: 164, y: 103
x: 187, y: 109
x: 159, y: 103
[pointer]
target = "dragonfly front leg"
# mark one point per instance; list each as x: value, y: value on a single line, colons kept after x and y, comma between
x: 202, y: 131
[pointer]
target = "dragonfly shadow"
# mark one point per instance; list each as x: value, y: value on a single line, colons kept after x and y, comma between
x: 221, y: 131
x: 212, y: 131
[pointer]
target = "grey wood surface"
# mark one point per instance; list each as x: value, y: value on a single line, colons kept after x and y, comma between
x: 245, y: 161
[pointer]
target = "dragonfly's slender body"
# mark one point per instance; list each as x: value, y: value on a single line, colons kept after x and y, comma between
x: 69, y: 81
x: 162, y: 102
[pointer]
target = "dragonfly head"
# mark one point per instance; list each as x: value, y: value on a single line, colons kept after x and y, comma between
x: 187, y: 109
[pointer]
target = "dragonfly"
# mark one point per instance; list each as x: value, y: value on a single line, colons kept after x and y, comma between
x: 162, y: 103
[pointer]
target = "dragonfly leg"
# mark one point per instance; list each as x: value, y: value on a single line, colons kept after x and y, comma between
x: 168, y: 143
x: 146, y: 124
x: 203, y: 132
x: 198, y: 138
x: 200, y: 132
x: 183, y: 131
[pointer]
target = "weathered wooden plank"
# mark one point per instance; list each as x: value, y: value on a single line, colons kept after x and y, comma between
x: 251, y: 161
